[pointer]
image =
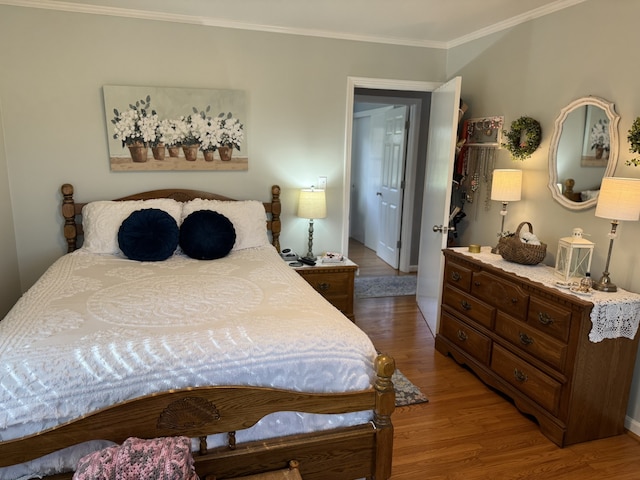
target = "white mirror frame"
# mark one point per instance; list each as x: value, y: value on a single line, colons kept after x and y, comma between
x: 614, y: 119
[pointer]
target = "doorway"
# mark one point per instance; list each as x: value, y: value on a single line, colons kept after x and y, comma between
x: 386, y: 176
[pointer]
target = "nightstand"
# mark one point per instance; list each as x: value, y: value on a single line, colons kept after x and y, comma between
x: 334, y: 281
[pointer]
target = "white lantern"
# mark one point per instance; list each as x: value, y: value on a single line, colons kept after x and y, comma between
x: 573, y: 259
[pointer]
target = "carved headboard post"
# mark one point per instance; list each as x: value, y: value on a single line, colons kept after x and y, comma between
x: 69, y: 214
x: 276, y: 209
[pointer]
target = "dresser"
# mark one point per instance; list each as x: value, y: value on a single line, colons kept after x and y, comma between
x: 531, y: 341
x: 335, y: 282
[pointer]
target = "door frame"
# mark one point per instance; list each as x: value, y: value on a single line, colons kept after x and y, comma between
x: 381, y: 84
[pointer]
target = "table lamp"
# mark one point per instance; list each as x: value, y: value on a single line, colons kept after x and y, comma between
x: 506, y: 187
x: 312, y: 205
x: 619, y: 199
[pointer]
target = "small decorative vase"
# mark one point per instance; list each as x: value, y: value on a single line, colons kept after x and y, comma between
x: 599, y: 152
x: 174, y: 151
x: 208, y: 155
x: 225, y: 153
x: 158, y: 152
x: 190, y: 152
x: 138, y: 152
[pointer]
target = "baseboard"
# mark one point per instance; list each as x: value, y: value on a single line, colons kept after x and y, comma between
x: 633, y: 426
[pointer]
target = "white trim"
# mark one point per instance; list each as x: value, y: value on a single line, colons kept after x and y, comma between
x: 374, y: 83
x: 632, y: 425
x: 513, y: 21
x: 218, y: 22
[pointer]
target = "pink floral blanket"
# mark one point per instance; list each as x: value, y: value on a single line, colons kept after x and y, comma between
x: 166, y: 458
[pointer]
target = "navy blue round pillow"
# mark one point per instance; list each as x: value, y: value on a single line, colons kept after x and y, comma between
x: 207, y: 235
x: 148, y: 235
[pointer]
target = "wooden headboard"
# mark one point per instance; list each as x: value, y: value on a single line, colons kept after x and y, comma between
x: 72, y: 211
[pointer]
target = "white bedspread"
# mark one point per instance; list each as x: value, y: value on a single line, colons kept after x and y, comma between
x: 97, y: 329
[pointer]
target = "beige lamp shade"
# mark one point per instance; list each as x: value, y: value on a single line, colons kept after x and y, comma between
x: 619, y: 199
x: 506, y: 185
x: 312, y: 204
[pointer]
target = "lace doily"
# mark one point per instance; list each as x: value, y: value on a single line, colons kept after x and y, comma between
x: 614, y: 314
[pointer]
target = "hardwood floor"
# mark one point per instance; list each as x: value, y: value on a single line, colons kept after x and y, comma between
x: 467, y: 430
x: 369, y: 263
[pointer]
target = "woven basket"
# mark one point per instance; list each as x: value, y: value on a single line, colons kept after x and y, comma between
x: 514, y: 250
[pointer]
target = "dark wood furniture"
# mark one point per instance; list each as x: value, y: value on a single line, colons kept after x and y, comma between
x: 333, y: 282
x: 531, y: 342
x: 340, y: 453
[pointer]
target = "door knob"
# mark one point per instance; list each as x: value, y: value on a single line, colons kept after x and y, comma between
x: 443, y: 229
x: 379, y: 194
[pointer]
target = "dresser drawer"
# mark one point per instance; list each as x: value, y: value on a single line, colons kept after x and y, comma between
x: 458, y: 275
x: 535, y: 384
x: 469, y: 306
x: 549, y: 318
x: 545, y: 348
x: 465, y: 337
x: 500, y: 293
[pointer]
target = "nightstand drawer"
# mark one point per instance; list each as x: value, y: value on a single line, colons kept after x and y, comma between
x: 327, y: 284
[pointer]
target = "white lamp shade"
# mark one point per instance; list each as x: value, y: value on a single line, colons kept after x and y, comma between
x: 619, y: 199
x: 312, y: 204
x: 506, y: 185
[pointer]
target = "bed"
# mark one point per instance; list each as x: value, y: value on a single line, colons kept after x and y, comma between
x: 103, y: 348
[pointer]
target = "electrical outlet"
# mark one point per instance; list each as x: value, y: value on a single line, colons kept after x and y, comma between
x: 322, y: 183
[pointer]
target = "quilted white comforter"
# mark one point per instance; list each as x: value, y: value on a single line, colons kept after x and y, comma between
x: 99, y: 329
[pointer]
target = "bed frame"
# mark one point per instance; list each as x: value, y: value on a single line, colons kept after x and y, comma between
x: 341, y: 453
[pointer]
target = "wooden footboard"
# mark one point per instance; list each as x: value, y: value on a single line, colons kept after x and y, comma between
x: 345, y: 453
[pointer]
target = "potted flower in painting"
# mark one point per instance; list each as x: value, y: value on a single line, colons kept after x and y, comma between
x: 171, y: 134
x: 205, y: 130
x: 136, y: 128
x: 229, y: 135
x: 599, y: 138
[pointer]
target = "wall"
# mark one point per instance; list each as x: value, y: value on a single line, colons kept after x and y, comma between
x: 9, y: 280
x: 536, y: 69
x: 55, y: 127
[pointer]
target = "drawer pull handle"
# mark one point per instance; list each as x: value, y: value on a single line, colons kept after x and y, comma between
x: 324, y: 286
x: 520, y: 376
x: 455, y: 276
x: 465, y: 305
x: 545, y: 318
x: 462, y: 336
x: 514, y: 300
x: 525, y: 339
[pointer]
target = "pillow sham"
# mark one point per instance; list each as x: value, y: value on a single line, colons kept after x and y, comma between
x: 248, y: 217
x: 101, y: 220
x: 148, y: 235
x: 207, y: 235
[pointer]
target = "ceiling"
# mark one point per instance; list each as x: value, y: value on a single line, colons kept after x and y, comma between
x: 422, y: 23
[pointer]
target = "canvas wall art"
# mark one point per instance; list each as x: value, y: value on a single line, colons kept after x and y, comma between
x: 166, y: 128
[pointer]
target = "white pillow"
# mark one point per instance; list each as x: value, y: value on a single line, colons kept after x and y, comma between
x: 248, y: 217
x: 102, y: 219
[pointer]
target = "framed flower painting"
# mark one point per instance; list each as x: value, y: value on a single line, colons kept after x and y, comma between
x: 164, y: 128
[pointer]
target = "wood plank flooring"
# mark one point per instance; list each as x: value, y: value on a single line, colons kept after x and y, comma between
x: 467, y: 430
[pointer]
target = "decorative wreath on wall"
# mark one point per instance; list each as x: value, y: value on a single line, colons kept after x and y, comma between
x: 634, y: 141
x: 523, y: 139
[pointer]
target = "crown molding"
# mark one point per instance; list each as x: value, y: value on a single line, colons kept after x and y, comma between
x: 222, y: 23
x: 513, y: 21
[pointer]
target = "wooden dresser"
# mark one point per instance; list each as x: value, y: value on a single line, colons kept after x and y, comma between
x: 531, y: 342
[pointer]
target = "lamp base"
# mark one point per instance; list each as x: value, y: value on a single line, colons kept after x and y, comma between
x: 605, y: 285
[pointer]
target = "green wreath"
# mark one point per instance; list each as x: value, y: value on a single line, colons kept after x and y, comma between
x: 634, y: 141
x: 522, y: 146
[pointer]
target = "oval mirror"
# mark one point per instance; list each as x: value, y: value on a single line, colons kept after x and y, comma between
x: 583, y: 150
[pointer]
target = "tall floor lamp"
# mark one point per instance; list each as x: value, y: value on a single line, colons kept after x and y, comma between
x: 619, y: 199
x: 506, y: 187
x: 312, y: 205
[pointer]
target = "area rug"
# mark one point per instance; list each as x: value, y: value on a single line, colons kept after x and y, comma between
x: 390, y: 286
x: 406, y: 392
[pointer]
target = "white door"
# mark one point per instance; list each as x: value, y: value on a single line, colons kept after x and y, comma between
x: 443, y: 125
x: 391, y: 185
